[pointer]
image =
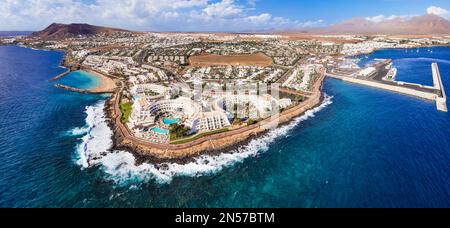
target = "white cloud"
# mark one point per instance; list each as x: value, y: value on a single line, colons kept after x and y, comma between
x: 376, y: 19
x: 381, y: 17
x: 439, y: 12
x: 225, y: 8
x: 145, y: 15
x: 259, y: 19
x: 252, y: 3
x: 430, y: 10
x: 310, y: 24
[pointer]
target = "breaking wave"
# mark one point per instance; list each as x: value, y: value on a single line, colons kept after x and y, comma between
x: 78, y: 131
x: 120, y: 166
x: 96, y: 141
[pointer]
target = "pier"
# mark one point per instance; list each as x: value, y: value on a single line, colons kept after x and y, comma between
x: 60, y: 75
x: 441, y: 98
x: 86, y: 91
x: 434, y: 93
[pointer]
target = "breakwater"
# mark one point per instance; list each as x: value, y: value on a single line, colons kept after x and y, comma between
x: 441, y: 98
x: 60, y: 75
x: 435, y: 93
x: 393, y: 88
x: 69, y: 88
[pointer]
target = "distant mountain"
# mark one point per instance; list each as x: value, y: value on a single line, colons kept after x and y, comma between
x: 60, y: 31
x: 419, y: 25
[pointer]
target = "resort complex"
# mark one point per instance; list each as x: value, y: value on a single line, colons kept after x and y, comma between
x: 178, y: 95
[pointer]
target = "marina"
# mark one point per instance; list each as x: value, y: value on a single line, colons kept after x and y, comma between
x: 382, y: 70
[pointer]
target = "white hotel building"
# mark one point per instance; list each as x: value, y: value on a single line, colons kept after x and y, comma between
x: 183, y: 108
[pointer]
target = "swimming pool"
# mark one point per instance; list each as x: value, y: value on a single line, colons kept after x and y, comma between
x: 160, y: 131
x: 169, y: 121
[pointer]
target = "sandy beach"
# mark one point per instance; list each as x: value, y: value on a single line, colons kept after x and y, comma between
x: 107, y: 85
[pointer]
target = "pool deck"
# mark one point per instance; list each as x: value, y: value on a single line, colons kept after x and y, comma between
x: 161, y: 131
x: 169, y: 121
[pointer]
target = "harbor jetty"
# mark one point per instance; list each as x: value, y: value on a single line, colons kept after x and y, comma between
x: 86, y: 91
x: 441, y: 98
x: 60, y: 75
x: 434, y: 93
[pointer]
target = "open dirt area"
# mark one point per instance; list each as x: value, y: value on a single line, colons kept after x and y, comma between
x: 258, y: 59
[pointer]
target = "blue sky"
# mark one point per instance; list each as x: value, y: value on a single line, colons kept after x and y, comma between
x: 208, y: 15
x: 332, y: 11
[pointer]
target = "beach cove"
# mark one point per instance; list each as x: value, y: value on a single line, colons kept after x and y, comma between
x: 85, y: 81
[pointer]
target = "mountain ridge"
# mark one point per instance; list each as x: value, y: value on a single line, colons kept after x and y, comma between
x: 418, y: 25
x: 60, y: 31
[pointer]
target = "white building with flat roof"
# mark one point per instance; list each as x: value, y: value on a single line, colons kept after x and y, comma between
x: 155, y: 88
x: 366, y: 72
x: 184, y: 108
x: 210, y: 121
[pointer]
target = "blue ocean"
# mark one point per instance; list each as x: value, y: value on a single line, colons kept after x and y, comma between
x: 362, y: 147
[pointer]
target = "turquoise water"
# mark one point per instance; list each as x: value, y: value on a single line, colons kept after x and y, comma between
x: 169, y: 121
x: 80, y: 80
x: 362, y: 148
x: 160, y: 131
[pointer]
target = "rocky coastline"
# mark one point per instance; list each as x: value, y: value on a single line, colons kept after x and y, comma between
x: 213, y: 145
x: 142, y: 156
x: 184, y: 153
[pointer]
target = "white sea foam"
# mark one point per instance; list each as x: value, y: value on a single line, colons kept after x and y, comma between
x: 97, y: 137
x: 121, y: 168
x: 79, y: 131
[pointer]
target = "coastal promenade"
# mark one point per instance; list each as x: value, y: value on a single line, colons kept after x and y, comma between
x: 124, y: 139
x: 435, y: 93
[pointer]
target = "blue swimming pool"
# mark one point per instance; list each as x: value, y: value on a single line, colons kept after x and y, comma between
x: 160, y: 131
x: 169, y: 121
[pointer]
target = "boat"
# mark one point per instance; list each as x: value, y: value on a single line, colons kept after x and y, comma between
x: 391, y: 75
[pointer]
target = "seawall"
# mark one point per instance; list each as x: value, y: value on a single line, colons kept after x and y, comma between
x: 86, y: 91
x: 60, y: 75
x: 398, y: 89
x: 441, y: 99
x: 435, y: 93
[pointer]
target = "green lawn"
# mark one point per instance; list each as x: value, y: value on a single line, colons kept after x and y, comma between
x: 204, y: 134
x: 125, y: 108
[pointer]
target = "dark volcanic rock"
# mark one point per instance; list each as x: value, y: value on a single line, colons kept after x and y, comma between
x: 60, y: 31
